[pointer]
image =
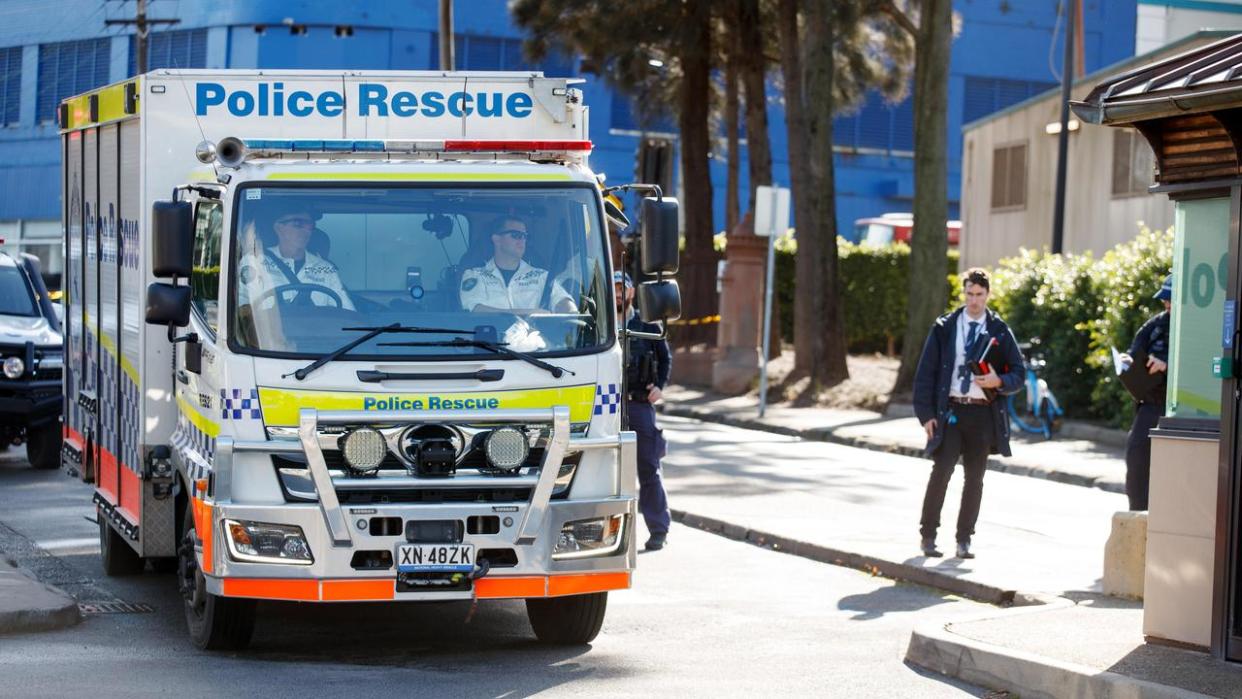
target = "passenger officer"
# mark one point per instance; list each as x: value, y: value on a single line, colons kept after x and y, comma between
x: 1153, y: 340
x: 289, y: 262
x: 507, y: 282
x: 645, y: 376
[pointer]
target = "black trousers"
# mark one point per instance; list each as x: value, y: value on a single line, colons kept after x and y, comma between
x: 969, y: 438
x: 1138, y: 453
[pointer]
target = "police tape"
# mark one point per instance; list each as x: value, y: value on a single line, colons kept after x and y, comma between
x: 705, y: 320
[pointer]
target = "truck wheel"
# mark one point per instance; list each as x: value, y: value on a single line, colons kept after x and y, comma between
x: 216, y: 623
x: 572, y: 620
x: 117, y: 555
x: 43, y: 447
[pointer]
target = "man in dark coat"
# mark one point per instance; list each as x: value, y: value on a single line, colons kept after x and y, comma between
x: 647, y: 372
x: 1152, y: 340
x: 963, y: 413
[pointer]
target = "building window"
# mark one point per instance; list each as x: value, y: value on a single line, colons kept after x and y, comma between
x: 186, y: 48
x: 474, y: 52
x: 10, y: 85
x: 69, y: 68
x: 1009, y: 177
x: 1132, y: 163
x: 877, y: 125
x: 983, y: 96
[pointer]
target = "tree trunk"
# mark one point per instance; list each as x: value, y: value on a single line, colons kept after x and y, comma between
x: 752, y: 69
x: 928, y: 242
x: 820, y: 71
x: 698, y: 276
x: 806, y: 309
x: 733, y: 148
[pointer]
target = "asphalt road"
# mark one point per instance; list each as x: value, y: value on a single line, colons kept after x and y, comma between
x: 707, y: 617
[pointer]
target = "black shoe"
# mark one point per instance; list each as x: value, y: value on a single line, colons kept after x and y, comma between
x: 656, y: 542
x: 929, y: 548
x: 963, y: 550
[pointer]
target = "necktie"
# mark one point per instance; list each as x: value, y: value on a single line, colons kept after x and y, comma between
x: 964, y: 387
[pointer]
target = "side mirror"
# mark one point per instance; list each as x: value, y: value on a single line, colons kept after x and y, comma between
x: 659, y: 301
x: 168, y: 305
x: 172, y: 238
x: 659, y: 248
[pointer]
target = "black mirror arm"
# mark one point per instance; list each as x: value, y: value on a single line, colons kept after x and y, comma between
x: 172, y: 335
x: 637, y: 187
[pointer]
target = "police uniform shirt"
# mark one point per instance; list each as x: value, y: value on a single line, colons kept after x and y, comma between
x: 959, y: 362
x: 1153, y: 337
x: 486, y: 285
x: 258, y: 275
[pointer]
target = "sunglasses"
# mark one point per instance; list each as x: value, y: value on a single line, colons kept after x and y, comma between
x: 514, y: 233
x: 299, y: 222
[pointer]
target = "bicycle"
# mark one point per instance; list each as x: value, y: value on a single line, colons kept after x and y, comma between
x: 1034, y: 409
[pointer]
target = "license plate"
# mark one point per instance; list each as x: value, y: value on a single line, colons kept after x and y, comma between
x: 439, y: 558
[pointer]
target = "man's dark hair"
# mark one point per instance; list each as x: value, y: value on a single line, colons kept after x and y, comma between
x: 977, y: 276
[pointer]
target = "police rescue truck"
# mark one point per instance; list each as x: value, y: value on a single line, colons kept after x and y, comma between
x: 344, y: 336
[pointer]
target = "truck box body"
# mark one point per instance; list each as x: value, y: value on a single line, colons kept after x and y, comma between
x: 404, y: 175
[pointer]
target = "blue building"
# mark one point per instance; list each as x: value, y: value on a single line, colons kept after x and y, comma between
x: 50, y: 49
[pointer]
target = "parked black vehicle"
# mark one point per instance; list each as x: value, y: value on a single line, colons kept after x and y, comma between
x: 31, y: 363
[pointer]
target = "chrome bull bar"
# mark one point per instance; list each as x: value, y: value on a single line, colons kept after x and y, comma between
x: 308, y: 444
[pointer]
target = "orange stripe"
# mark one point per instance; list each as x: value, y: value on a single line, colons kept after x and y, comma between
x: 358, y: 590
x: 301, y: 590
x: 105, y: 476
x: 582, y: 584
x: 203, y: 526
x: 131, y: 494
x: 495, y: 588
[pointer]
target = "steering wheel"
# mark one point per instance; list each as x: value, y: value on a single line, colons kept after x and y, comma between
x: 279, y: 293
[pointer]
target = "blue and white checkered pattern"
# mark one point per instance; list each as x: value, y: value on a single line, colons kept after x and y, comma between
x: 233, y: 406
x: 109, y: 368
x: 130, y: 433
x: 195, y: 446
x: 607, y: 399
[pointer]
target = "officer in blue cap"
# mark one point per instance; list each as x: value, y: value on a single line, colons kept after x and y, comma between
x: 1152, y: 340
x: 646, y: 373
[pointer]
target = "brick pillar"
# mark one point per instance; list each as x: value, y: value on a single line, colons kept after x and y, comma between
x: 738, y: 339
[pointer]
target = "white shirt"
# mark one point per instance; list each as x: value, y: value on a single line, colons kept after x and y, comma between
x: 963, y: 329
x: 486, y: 285
x: 258, y: 274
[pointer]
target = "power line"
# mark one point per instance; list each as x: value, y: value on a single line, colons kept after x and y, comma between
x: 143, y: 25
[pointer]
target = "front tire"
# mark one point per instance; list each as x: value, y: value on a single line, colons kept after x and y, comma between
x: 117, y: 556
x: 43, y: 446
x: 573, y: 620
x: 215, y: 623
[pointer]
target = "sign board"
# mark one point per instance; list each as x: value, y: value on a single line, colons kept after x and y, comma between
x: 771, y: 210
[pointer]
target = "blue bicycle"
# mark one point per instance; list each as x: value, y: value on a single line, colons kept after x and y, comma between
x: 1035, y: 409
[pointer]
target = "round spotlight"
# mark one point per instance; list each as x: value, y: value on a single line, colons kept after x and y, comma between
x: 507, y: 448
x: 364, y: 449
x: 14, y: 367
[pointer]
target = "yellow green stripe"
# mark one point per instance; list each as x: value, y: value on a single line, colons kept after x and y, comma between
x: 111, y: 105
x: 424, y: 176
x: 109, y: 346
x: 199, y: 420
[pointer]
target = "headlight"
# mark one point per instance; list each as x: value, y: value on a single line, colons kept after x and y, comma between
x: 14, y: 367
x: 364, y: 449
x: 258, y: 542
x: 507, y: 448
x: 590, y: 537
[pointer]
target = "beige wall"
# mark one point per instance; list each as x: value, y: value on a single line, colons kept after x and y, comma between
x: 1095, y: 220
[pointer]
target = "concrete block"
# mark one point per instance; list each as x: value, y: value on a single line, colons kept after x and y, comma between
x: 1125, y: 555
x: 1177, y: 589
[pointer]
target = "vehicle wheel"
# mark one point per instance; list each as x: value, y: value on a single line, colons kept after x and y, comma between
x: 573, y: 620
x: 43, y: 447
x: 215, y: 623
x: 117, y: 555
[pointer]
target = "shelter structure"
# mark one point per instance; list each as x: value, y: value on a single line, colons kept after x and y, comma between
x: 1188, y: 108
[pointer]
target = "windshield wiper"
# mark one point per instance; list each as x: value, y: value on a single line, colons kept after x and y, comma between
x: 371, y: 333
x: 493, y: 347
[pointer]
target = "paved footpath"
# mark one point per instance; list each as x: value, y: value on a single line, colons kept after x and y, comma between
x: 1080, y: 454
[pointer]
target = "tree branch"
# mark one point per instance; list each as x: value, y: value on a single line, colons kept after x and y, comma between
x: 902, y: 19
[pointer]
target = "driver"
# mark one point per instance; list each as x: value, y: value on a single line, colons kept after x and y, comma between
x: 509, y: 284
x: 287, y: 263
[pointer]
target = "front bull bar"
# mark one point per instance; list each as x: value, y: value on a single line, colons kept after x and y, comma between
x: 309, y: 444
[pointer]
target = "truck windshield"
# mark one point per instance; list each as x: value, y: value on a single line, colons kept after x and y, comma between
x: 16, y: 298
x: 524, y: 267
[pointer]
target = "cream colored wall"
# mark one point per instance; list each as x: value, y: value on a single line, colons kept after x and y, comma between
x: 1095, y: 220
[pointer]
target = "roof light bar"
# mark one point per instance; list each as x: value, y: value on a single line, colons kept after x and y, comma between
x: 515, y: 146
x: 413, y: 147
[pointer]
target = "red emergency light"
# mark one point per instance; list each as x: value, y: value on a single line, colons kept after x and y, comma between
x: 460, y: 146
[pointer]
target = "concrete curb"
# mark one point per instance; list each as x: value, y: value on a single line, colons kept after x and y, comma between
x: 937, y: 648
x: 869, y: 564
x: 27, y: 605
x: 828, y: 434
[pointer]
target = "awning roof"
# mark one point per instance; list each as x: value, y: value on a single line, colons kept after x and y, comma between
x: 1202, y: 79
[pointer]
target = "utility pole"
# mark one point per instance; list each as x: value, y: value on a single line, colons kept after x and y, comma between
x: 446, y: 35
x: 142, y: 25
x: 1067, y: 81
